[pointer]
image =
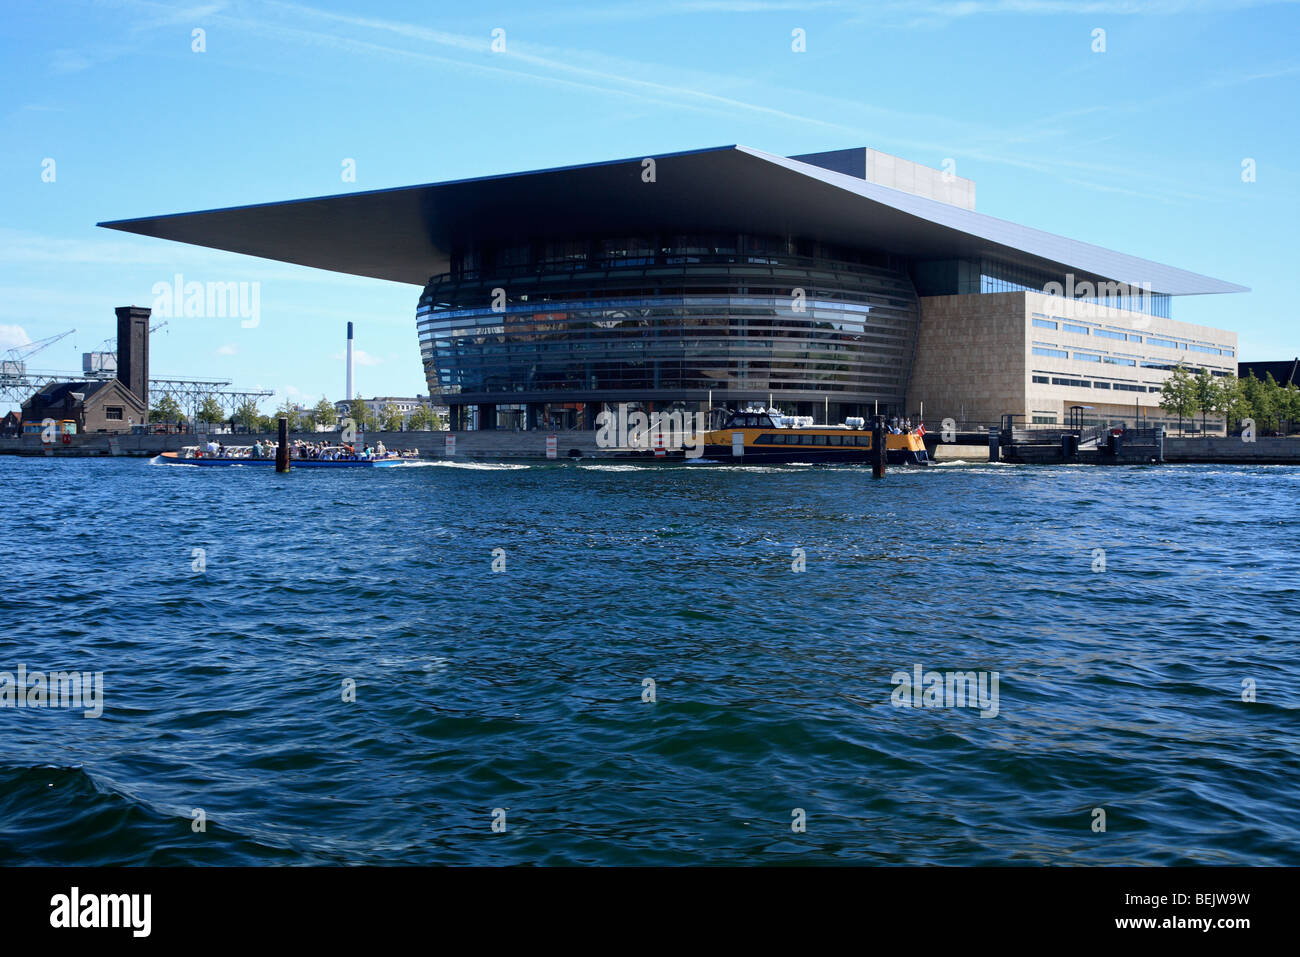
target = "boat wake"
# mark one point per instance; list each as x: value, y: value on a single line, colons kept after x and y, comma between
x: 480, y: 466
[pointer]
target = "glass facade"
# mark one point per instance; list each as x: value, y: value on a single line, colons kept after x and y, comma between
x: 669, y: 319
x: 963, y: 277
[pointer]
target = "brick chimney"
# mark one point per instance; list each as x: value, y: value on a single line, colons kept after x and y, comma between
x: 133, y: 350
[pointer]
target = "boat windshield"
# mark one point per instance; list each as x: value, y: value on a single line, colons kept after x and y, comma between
x: 749, y: 420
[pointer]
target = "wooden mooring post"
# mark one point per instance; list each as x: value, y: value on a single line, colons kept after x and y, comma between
x: 878, y: 450
x: 282, y: 450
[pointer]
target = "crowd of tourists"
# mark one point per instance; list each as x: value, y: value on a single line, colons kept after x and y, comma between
x: 299, y: 449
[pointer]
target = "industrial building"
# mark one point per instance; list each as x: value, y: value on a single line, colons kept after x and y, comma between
x: 103, y: 405
x: 831, y: 284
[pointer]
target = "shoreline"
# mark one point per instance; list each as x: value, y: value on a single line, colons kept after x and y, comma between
x: 531, y: 446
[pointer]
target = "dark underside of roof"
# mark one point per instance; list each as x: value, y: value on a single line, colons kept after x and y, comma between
x: 408, y: 234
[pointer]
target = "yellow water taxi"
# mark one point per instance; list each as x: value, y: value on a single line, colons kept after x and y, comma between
x: 760, y: 436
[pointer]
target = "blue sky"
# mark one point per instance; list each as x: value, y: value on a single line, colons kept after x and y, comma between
x: 1138, y: 148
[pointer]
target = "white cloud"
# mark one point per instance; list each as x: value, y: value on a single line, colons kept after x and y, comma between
x: 11, y: 336
x: 359, y: 356
x: 229, y: 349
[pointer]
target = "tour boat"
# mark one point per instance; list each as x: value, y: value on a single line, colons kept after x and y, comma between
x: 763, y: 436
x: 332, y: 457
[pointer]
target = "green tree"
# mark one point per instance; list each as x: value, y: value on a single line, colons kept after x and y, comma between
x: 210, y: 411
x: 290, y: 412
x: 247, y: 414
x: 266, y: 424
x: 1228, y: 400
x: 421, y: 420
x: 324, y: 413
x: 360, y: 413
x: 166, y: 409
x: 1258, y: 401
x: 1288, y: 406
x: 390, y: 418
x: 1177, y: 395
x: 1205, y: 390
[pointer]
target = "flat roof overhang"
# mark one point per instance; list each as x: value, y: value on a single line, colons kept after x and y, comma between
x: 407, y: 234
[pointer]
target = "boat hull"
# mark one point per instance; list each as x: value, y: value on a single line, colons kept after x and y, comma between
x: 851, y: 456
x: 171, y: 458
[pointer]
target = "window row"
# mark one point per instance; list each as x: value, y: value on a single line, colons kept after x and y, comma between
x: 796, y: 438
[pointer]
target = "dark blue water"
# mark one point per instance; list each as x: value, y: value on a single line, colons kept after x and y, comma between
x: 522, y: 690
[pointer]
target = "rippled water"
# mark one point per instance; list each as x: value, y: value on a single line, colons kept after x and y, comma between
x: 523, y: 690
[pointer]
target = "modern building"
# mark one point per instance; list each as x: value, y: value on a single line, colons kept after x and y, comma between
x: 104, y: 405
x: 1284, y: 372
x: 832, y: 284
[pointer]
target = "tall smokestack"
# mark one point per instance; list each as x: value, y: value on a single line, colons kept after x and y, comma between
x: 133, y: 350
x: 349, y: 362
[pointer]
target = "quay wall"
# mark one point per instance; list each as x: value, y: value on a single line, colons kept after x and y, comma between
x: 1263, y: 451
x: 504, y: 444
x: 490, y: 444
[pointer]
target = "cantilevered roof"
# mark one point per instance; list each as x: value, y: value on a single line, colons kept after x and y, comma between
x: 407, y: 234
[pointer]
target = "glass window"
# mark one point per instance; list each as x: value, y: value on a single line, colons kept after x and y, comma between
x: 1052, y: 353
x: 1087, y: 357
x: 1071, y: 327
x: 1045, y: 323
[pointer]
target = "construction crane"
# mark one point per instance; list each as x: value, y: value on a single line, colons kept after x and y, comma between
x: 15, y: 384
x: 110, y: 344
x: 16, y: 363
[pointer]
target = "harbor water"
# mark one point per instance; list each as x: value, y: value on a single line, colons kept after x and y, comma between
x: 598, y: 663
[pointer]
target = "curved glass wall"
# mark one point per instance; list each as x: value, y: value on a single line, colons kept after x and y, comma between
x: 634, y: 320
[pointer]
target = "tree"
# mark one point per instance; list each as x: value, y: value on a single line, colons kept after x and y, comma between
x: 1205, y: 390
x: 166, y: 409
x: 210, y: 411
x: 1230, y: 402
x: 247, y: 414
x: 360, y: 413
x: 390, y: 418
x: 421, y: 420
x: 290, y: 412
x: 324, y: 413
x: 1177, y: 395
x: 1288, y: 406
